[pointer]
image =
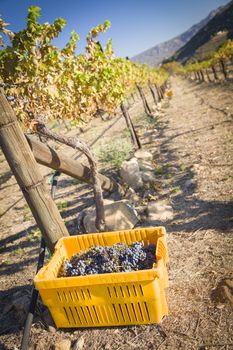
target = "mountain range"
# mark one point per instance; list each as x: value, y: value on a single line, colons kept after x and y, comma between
x: 184, y: 45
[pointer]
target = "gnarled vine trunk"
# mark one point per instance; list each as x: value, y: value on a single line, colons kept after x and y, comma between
x: 57, y: 160
x: 81, y: 146
x: 208, y: 76
x: 202, y: 75
x: 222, y: 63
x: 214, y: 72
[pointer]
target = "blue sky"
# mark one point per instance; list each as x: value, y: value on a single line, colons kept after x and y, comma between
x: 136, y: 24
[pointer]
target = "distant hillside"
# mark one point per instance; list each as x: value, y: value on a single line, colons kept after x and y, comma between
x: 209, y: 37
x: 205, y: 51
x: 158, y: 53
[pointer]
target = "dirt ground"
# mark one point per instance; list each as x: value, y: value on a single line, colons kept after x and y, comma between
x: 192, y: 144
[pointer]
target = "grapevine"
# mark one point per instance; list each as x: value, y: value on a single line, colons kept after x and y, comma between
x: 46, y: 83
x: 224, y: 53
x: 51, y: 83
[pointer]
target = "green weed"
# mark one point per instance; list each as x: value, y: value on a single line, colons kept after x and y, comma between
x: 168, y: 176
x: 158, y: 170
x: 226, y: 178
x: 2, y: 248
x: 182, y: 167
x: 176, y: 189
x: 33, y: 235
x: 19, y: 251
x: 126, y: 133
x: 54, y: 125
x: 114, y: 152
x: 74, y: 123
x: 27, y: 215
x: 148, y: 120
x: 62, y: 205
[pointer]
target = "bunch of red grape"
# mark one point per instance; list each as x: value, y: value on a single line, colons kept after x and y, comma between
x: 116, y: 258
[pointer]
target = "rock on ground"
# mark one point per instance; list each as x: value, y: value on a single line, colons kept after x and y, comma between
x: 64, y: 344
x: 78, y: 345
x: 52, y: 329
x: 19, y: 303
x: 118, y: 216
x: 189, y: 184
x: 141, y: 154
x: 223, y: 293
x: 159, y: 211
x: 130, y: 173
x: 148, y: 176
x: 132, y: 196
x: 145, y: 165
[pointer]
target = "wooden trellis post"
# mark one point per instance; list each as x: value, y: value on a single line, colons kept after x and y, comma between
x: 56, y: 160
x: 144, y: 101
x: 152, y: 92
x: 159, y: 92
x: 26, y: 171
x: 130, y: 126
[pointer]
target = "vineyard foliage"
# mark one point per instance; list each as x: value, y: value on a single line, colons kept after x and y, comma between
x: 53, y: 83
x: 224, y: 53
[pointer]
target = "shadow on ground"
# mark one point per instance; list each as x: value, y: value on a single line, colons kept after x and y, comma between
x: 191, y: 212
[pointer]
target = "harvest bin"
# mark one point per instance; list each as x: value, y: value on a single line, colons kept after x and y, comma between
x: 124, y: 298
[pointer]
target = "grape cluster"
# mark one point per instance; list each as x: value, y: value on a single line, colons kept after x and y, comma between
x: 116, y: 258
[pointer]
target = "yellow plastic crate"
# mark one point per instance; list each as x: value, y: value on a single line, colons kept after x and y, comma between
x: 125, y: 298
